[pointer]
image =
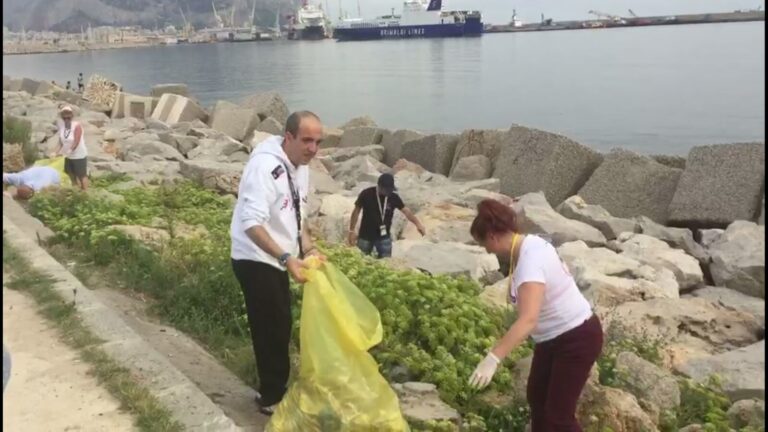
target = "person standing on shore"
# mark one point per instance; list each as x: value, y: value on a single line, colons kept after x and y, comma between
x: 72, y: 147
x: 551, y: 310
x: 80, y: 85
x: 378, y: 205
x: 269, y: 244
x: 69, y: 85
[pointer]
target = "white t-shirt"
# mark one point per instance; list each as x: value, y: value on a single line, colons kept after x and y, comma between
x: 67, y: 137
x: 36, y: 178
x: 564, y: 307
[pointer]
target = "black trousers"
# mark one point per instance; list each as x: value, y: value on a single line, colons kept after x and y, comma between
x: 268, y: 301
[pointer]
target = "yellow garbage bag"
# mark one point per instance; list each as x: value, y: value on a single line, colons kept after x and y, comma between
x: 56, y: 163
x: 338, y: 387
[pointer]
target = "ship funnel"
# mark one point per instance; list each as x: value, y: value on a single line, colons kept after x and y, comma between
x: 435, y: 5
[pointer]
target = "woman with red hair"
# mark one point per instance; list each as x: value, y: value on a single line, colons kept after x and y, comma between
x: 551, y: 310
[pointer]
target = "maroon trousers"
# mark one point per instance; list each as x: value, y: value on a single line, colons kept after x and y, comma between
x: 559, y: 371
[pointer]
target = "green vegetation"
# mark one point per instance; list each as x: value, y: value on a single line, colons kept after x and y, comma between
x: 19, y: 131
x: 150, y: 415
x: 435, y: 328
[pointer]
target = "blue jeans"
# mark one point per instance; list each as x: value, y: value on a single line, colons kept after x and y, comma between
x: 383, y: 247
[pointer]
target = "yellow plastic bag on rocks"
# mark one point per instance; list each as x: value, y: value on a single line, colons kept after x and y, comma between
x: 338, y: 387
x: 56, y: 163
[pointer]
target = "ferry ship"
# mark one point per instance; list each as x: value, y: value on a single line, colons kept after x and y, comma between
x: 420, y: 19
x: 309, y: 23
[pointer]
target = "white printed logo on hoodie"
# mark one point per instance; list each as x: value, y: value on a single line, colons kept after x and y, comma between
x: 264, y: 199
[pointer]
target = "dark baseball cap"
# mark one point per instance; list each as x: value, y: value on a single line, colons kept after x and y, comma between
x: 387, y: 181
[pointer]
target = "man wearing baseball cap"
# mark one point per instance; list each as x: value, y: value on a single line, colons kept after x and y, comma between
x: 378, y: 204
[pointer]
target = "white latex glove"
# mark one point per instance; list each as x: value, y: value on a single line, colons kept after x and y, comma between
x: 484, y: 371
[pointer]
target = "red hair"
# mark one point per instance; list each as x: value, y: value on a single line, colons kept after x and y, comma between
x: 493, y: 217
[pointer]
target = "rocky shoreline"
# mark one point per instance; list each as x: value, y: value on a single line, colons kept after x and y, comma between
x: 664, y: 246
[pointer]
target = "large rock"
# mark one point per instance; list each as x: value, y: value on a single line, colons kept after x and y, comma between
x: 320, y: 180
x: 448, y: 258
x: 720, y: 184
x: 342, y: 154
x: 536, y: 216
x: 233, y: 120
x: 733, y: 300
x: 143, y: 147
x: 145, y: 172
x: 695, y: 323
x: 331, y: 137
x: 13, y: 158
x: 655, y: 388
x: 475, y: 167
x: 361, y: 136
x: 575, y: 208
x: 433, y: 152
x: 611, y: 409
x: 486, y: 142
x: 738, y: 258
x: 420, y: 403
x: 268, y: 104
x: 532, y: 160
x: 747, y: 413
x: 658, y: 254
x: 177, y: 89
x: 496, y: 295
x: 363, y: 121
x: 444, y: 223
x: 221, y: 177
x: 271, y: 126
x: 393, y: 144
x: 609, y: 279
x: 135, y: 106
x: 217, y: 149
x: 681, y: 238
x: 741, y: 371
x: 332, y: 222
x: 358, y: 169
x: 627, y: 184
x: 174, y: 108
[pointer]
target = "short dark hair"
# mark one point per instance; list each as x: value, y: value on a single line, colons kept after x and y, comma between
x: 294, y: 121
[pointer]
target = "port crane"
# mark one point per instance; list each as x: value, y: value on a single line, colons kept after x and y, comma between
x: 608, y: 17
x: 219, y: 21
x: 632, y: 13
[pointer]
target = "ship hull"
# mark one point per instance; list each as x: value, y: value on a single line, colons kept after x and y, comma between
x: 466, y: 29
x: 309, y: 33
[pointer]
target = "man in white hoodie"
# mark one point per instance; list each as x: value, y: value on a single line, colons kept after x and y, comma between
x: 269, y: 243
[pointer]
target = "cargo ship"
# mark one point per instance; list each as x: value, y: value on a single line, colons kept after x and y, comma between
x: 419, y: 19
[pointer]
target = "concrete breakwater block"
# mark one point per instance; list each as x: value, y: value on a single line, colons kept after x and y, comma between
x: 433, y: 152
x: 29, y: 85
x: 174, y: 108
x: 721, y: 184
x: 532, y: 160
x: 234, y: 120
x: 131, y: 105
x: 628, y: 184
x: 177, y: 89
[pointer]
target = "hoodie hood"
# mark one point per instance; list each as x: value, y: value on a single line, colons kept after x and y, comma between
x: 273, y: 146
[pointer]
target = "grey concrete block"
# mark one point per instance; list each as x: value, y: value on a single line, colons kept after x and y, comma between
x: 434, y: 152
x: 721, y: 184
x: 627, y: 185
x: 531, y: 160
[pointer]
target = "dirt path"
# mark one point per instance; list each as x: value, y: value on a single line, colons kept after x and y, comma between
x: 234, y: 397
x: 50, y: 388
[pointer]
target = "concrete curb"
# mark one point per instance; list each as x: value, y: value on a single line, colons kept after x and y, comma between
x: 188, y: 405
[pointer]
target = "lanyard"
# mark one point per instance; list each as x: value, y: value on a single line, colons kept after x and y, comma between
x: 297, y: 209
x: 383, y: 208
x: 512, y: 261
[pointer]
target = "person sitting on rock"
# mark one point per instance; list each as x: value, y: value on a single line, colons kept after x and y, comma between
x: 378, y: 204
x: 31, y: 180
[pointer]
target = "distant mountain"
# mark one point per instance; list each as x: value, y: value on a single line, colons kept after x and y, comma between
x: 72, y: 15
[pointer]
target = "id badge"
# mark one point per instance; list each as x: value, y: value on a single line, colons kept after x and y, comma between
x: 383, y: 230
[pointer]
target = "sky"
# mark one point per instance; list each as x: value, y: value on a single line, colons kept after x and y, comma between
x: 500, y: 11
